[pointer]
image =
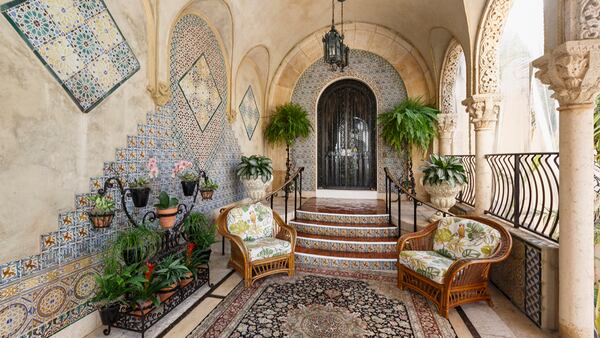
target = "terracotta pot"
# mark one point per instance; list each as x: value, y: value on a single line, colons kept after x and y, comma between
x: 166, y: 293
x: 207, y: 194
x: 102, y: 221
x: 147, y: 306
x: 139, y: 196
x: 188, y: 187
x: 168, y: 220
x: 256, y: 188
x: 187, y: 280
x: 443, y: 197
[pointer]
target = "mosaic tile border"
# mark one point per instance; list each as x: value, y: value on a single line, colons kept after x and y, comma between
x: 82, y: 79
x: 314, y: 261
x: 345, y: 231
x: 341, y: 218
x: 346, y: 246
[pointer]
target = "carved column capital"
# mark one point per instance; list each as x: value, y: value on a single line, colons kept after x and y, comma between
x: 160, y: 93
x: 483, y: 110
x: 446, y: 125
x: 572, y: 71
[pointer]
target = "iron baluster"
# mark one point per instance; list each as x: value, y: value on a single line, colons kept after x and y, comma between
x: 517, y: 189
x: 285, y: 189
x: 415, y: 205
x: 399, y: 214
x: 386, y: 194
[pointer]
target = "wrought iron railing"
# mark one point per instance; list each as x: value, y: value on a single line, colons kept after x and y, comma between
x: 394, y: 186
x: 467, y: 195
x: 525, y: 191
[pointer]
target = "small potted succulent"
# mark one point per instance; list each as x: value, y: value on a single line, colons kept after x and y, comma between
x: 200, y: 231
x: 139, y: 188
x: 443, y: 178
x: 143, y: 290
x: 256, y: 173
x: 169, y: 272
x: 103, y: 211
x: 207, y: 189
x: 111, y: 290
x: 188, y: 176
x: 166, y: 209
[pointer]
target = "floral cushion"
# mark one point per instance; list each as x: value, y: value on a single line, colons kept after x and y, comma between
x: 465, y: 238
x: 267, y: 247
x: 251, y: 222
x: 427, y: 263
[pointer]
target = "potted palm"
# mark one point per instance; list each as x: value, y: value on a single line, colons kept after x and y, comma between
x: 256, y: 173
x: 207, y: 189
x: 169, y: 272
x: 188, y: 176
x: 443, y: 179
x: 139, y: 188
x: 289, y: 122
x: 410, y: 127
x: 103, y: 211
x: 166, y: 209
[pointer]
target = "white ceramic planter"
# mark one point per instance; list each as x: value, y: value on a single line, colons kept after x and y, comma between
x: 443, y: 197
x: 256, y: 188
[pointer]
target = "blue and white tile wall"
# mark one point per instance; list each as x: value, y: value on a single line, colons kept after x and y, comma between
x: 249, y: 111
x: 367, y: 67
x: 41, y: 294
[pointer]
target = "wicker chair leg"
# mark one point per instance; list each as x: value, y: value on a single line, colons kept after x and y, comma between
x: 400, y: 277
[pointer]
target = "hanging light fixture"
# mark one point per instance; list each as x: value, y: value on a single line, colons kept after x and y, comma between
x: 334, y: 50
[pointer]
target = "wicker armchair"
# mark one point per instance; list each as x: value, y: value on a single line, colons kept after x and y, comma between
x: 260, y: 246
x: 464, y: 281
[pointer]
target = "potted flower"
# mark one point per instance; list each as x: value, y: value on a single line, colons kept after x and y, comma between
x: 132, y: 246
x: 111, y: 290
x: 188, y: 176
x: 256, y: 173
x: 139, y: 188
x: 443, y: 178
x: 103, y: 212
x: 200, y: 231
x: 169, y: 272
x: 143, y: 291
x: 190, y: 264
x: 166, y: 208
x: 207, y: 189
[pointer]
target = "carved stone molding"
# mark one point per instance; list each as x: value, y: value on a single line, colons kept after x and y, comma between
x: 589, y: 19
x: 446, y: 124
x: 572, y: 71
x: 489, y: 39
x: 161, y: 94
x: 448, y: 78
x: 483, y: 110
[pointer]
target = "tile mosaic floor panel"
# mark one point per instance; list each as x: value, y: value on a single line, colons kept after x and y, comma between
x: 250, y: 112
x: 79, y: 43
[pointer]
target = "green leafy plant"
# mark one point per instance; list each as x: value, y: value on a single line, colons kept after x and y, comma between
x: 166, y: 202
x: 132, y: 246
x: 102, y: 205
x: 171, y: 270
x: 144, y: 287
x: 255, y: 166
x: 140, y: 182
x: 209, y: 185
x: 289, y: 122
x: 440, y: 169
x: 199, y: 230
x: 113, y: 286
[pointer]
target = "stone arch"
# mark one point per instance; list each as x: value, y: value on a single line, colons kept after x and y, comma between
x: 258, y: 58
x: 486, y: 48
x: 376, y: 39
x: 447, y: 99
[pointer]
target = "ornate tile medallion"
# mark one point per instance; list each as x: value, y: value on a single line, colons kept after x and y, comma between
x: 250, y: 112
x: 79, y: 43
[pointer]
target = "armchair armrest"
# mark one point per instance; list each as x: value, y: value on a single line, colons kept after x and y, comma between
x: 420, y: 240
x: 284, y: 231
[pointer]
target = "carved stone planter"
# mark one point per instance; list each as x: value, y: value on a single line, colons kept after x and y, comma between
x: 443, y: 197
x: 256, y: 188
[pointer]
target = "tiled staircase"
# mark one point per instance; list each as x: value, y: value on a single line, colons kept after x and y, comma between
x: 345, y: 239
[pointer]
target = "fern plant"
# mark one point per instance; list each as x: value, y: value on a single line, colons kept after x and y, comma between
x: 440, y: 169
x: 289, y: 122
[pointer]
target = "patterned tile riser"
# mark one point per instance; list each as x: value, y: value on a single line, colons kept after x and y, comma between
x: 216, y: 150
x: 336, y: 263
x: 367, y: 67
x: 345, y: 231
x: 341, y: 218
x: 344, y: 246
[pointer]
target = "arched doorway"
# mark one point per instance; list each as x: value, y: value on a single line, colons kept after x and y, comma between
x: 347, y: 137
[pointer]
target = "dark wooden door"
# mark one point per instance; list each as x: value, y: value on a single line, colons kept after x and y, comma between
x: 347, y: 136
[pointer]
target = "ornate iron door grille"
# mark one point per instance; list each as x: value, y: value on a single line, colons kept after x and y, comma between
x: 347, y: 136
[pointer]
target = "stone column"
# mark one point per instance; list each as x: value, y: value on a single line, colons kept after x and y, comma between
x: 446, y: 127
x: 573, y: 72
x: 483, y: 112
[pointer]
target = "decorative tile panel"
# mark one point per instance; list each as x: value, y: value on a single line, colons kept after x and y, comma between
x: 79, y: 43
x: 389, y: 90
x: 250, y: 112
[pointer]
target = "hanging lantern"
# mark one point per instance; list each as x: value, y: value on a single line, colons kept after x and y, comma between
x: 335, y: 52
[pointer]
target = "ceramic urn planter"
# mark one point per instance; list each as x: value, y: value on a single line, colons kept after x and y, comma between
x: 256, y: 188
x: 443, y: 197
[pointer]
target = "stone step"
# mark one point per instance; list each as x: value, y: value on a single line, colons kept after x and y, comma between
x: 345, y: 229
x: 316, y: 258
x: 347, y: 244
x: 342, y: 218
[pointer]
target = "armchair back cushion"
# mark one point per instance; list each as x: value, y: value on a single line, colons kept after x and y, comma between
x: 251, y: 222
x: 458, y: 238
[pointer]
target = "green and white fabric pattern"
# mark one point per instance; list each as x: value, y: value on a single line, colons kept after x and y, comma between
x: 465, y: 238
x: 267, y: 247
x: 427, y: 263
x: 251, y: 222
